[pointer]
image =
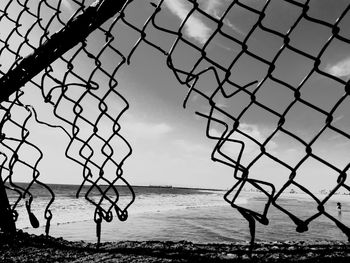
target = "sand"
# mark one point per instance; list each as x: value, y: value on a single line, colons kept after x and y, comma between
x: 24, y: 247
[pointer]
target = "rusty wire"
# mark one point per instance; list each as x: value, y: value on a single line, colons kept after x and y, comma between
x: 231, y: 122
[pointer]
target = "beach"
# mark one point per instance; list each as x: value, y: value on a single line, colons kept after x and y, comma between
x: 177, y: 225
x: 29, y: 248
x: 195, y: 215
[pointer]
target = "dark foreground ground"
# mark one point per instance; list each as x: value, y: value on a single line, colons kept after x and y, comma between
x: 29, y: 248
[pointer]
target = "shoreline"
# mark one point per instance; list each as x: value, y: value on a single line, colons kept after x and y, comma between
x: 24, y: 247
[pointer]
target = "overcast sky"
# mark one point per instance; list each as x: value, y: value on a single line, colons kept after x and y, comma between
x: 169, y: 142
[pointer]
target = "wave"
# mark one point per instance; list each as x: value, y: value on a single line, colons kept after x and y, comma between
x: 71, y: 210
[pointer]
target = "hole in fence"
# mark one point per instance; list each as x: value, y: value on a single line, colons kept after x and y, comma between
x: 293, y: 131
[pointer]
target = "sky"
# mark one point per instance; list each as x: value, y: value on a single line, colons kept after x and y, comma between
x: 169, y: 142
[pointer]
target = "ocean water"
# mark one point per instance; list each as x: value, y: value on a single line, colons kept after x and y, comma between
x: 182, y: 214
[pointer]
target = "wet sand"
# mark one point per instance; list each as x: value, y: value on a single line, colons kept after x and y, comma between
x: 24, y: 247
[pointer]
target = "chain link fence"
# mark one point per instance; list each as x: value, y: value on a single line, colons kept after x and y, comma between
x: 53, y: 62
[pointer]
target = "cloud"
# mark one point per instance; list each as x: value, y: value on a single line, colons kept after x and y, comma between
x: 338, y: 118
x: 67, y: 5
x: 189, y: 148
x: 139, y: 129
x: 251, y: 149
x: 216, y: 8
x: 194, y: 27
x: 233, y: 27
x: 212, y: 7
x: 340, y: 69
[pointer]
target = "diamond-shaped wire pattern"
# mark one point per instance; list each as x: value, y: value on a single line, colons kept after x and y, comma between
x: 31, y: 23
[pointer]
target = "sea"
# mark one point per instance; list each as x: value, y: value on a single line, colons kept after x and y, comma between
x: 165, y: 213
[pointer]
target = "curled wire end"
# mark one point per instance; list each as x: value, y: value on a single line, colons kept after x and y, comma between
x: 32, y: 218
x: 184, y: 104
x: 301, y: 228
x: 122, y: 214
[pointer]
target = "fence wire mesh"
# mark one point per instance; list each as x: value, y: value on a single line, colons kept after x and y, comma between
x: 31, y: 23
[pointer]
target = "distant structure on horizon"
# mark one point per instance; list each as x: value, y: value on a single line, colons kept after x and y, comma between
x: 160, y: 186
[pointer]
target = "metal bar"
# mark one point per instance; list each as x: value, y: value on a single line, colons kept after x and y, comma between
x: 60, y: 42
